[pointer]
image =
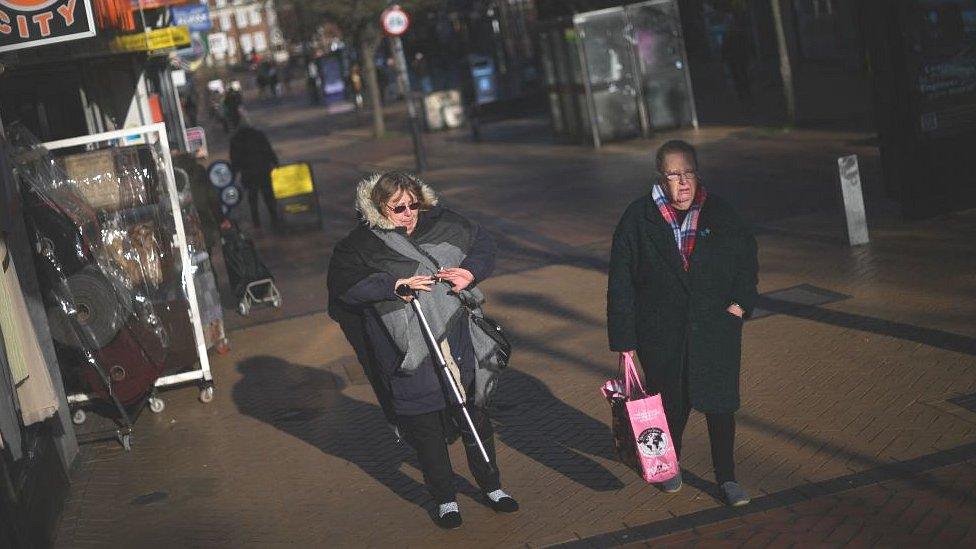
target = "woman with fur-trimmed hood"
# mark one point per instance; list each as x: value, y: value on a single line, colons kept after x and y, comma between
x: 406, y: 241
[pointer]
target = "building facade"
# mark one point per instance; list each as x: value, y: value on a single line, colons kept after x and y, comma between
x: 242, y: 29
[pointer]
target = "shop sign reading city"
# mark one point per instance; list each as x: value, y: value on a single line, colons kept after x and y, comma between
x: 31, y: 23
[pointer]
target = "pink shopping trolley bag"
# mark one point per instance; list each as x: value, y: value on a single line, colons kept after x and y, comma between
x: 640, y: 428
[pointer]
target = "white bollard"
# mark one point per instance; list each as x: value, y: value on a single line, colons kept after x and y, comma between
x: 850, y: 186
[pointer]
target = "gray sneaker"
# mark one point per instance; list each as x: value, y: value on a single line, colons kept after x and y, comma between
x: 734, y: 495
x: 672, y: 485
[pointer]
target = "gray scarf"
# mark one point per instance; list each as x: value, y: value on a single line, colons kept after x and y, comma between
x: 441, y: 308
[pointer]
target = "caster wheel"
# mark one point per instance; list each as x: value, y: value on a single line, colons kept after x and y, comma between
x: 207, y: 395
x: 156, y: 405
x: 223, y: 347
x: 126, y: 441
x: 276, y: 302
x: 243, y: 308
x: 79, y: 417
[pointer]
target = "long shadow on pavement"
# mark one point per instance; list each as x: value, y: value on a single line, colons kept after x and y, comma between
x: 544, y: 304
x: 531, y: 420
x: 939, y: 339
x: 307, y: 403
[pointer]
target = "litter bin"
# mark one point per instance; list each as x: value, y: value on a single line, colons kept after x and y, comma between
x: 483, y: 77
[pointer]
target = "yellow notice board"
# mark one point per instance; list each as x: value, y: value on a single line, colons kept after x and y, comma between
x: 159, y: 39
x: 292, y: 180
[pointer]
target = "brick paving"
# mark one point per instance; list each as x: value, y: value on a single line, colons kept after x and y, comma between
x: 846, y: 435
x: 920, y: 502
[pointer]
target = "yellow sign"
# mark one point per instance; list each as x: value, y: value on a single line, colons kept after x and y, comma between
x: 297, y: 207
x: 292, y: 180
x: 158, y: 39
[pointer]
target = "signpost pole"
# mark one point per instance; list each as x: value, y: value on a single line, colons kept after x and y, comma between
x: 395, y: 22
x: 415, y: 135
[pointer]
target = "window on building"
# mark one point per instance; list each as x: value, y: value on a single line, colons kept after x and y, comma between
x: 241, y: 16
x: 220, y: 3
x: 260, y: 41
x: 247, y: 46
x: 225, y: 22
x: 255, y: 17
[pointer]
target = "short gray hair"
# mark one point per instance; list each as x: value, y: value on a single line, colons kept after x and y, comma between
x: 675, y: 146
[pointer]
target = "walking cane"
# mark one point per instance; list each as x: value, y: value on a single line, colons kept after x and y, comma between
x: 447, y: 373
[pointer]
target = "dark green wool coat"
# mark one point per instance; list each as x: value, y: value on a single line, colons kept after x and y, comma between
x: 663, y: 311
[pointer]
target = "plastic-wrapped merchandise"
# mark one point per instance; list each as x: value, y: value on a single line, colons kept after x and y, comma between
x: 135, y: 252
x: 108, y: 179
x: 110, y: 266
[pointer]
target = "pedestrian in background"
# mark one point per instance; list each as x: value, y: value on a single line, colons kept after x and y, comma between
x: 287, y: 73
x: 273, y: 82
x: 262, y: 78
x: 205, y: 196
x: 736, y: 54
x: 683, y: 275
x: 252, y: 156
x: 356, y: 82
x: 313, y: 80
x: 376, y: 270
x: 233, y: 101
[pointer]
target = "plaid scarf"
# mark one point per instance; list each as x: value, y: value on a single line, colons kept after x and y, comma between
x: 685, y: 233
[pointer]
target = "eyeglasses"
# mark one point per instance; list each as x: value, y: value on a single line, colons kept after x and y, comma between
x: 403, y: 207
x: 687, y: 176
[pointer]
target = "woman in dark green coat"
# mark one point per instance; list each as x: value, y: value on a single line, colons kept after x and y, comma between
x: 683, y: 274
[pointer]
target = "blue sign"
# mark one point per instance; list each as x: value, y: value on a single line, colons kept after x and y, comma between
x: 196, y: 17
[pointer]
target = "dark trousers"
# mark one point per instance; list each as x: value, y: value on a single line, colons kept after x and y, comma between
x: 429, y: 433
x: 721, y: 431
x: 721, y: 437
x: 262, y: 186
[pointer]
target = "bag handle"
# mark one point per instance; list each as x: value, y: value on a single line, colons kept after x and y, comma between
x: 631, y: 378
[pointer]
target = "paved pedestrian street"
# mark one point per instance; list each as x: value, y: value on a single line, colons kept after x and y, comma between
x: 858, y: 420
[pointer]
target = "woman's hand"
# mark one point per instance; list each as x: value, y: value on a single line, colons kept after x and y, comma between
x: 458, y: 277
x: 416, y: 283
x: 736, y: 310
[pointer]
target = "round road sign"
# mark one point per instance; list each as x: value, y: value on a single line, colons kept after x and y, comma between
x: 395, y: 21
x: 220, y: 174
x: 230, y: 196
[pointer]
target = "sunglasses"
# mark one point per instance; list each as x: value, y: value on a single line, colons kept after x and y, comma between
x: 403, y: 207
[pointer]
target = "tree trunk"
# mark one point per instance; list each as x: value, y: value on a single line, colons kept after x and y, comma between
x: 785, y: 67
x: 367, y: 50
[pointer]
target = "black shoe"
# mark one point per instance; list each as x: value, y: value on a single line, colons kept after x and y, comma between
x: 448, y: 516
x: 502, y: 502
